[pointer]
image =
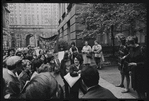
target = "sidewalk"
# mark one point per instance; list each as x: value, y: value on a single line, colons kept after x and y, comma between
x: 115, y: 90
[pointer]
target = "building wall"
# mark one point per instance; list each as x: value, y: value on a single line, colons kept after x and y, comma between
x: 5, y: 25
x: 69, y: 27
x: 31, y: 16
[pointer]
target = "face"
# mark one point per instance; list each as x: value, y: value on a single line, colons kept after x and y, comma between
x: 86, y: 43
x: 28, y: 65
x: 95, y: 43
x: 42, y: 57
x: 72, y: 45
x: 76, y: 61
x: 12, y: 53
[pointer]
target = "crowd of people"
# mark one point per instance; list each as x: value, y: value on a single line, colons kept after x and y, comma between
x: 28, y: 74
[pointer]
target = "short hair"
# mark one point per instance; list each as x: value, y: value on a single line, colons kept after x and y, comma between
x: 10, y: 50
x: 74, y: 49
x: 36, y: 63
x: 42, y: 86
x: 73, y: 43
x: 130, y: 40
x: 28, y: 57
x: 135, y: 39
x: 79, y: 57
x: 96, y: 41
x: 44, y: 68
x: 19, y: 53
x: 66, y: 56
x: 90, y: 75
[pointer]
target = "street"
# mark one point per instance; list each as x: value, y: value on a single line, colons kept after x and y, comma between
x: 109, y: 77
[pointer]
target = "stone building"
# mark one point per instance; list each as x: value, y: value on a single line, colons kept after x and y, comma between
x: 5, y: 26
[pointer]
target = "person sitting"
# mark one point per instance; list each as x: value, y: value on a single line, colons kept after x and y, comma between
x: 90, y: 77
x: 42, y: 86
x: 13, y: 85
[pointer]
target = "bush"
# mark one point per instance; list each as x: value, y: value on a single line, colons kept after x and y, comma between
x: 62, y: 45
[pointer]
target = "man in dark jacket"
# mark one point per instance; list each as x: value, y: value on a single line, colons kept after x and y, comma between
x: 90, y: 77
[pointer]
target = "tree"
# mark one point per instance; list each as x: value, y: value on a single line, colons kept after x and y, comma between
x: 99, y: 17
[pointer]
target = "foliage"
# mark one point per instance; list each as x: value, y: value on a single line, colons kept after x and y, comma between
x: 98, y: 17
x: 62, y: 44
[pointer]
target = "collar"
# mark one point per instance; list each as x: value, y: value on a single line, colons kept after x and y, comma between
x: 11, y: 73
x: 91, y: 87
x: 78, y: 66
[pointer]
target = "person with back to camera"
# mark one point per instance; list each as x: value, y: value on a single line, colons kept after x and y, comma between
x: 42, y: 86
x: 86, y: 50
x: 90, y: 77
x: 74, y: 71
x: 64, y: 69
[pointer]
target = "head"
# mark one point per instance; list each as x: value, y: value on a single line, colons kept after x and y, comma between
x: 66, y: 56
x: 44, y: 68
x: 11, y: 52
x: 90, y: 75
x: 78, y: 59
x: 95, y: 42
x: 50, y: 58
x: 36, y: 64
x: 130, y: 42
x: 74, y: 50
x: 123, y: 40
x: 86, y: 43
x: 135, y: 39
x: 73, y: 44
x: 14, y: 63
x: 41, y: 52
x: 27, y: 64
x: 42, y: 86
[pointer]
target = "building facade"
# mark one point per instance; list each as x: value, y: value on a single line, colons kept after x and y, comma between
x: 69, y: 27
x: 5, y: 25
x: 33, y: 18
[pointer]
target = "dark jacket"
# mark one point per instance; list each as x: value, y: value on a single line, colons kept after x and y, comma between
x: 98, y: 92
x: 78, y: 85
x: 138, y: 73
x: 13, y: 86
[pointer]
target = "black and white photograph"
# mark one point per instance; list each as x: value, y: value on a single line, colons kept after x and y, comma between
x: 74, y: 51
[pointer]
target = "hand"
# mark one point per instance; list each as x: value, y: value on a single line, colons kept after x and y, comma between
x: 79, y: 72
x: 132, y: 64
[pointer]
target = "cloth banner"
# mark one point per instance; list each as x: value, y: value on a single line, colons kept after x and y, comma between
x: 71, y: 80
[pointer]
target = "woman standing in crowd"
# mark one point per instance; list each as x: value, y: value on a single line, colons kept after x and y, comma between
x: 73, y: 45
x: 97, y: 50
x: 136, y: 62
x: 75, y: 70
x: 64, y: 69
x: 73, y: 54
x: 86, y: 50
x: 124, y: 71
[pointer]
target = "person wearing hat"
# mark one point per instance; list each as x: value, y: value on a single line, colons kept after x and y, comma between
x: 124, y: 71
x: 136, y: 63
x: 12, y: 83
x: 90, y: 78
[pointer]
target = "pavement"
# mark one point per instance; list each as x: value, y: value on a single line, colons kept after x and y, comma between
x: 109, y: 77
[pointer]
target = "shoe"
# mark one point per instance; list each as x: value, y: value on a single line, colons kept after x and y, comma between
x: 120, y: 85
x: 125, y: 91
